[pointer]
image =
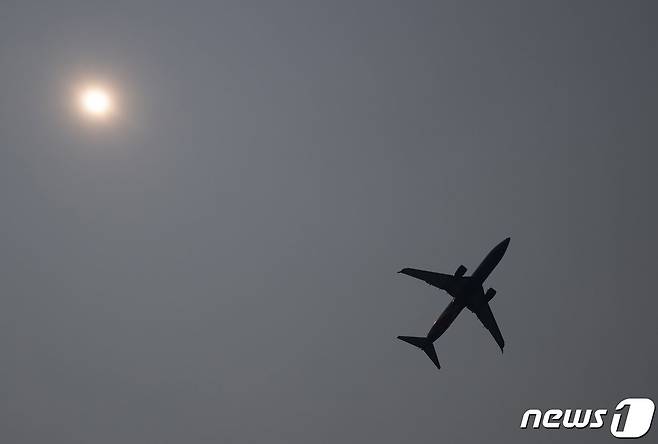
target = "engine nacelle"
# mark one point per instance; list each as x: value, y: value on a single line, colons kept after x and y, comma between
x: 490, y: 294
x: 460, y: 271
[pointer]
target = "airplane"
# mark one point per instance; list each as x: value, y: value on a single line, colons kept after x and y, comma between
x: 467, y: 292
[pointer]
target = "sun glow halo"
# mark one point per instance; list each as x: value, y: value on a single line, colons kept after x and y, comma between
x: 96, y: 102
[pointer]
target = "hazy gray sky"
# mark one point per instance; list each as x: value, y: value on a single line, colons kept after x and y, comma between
x: 220, y: 265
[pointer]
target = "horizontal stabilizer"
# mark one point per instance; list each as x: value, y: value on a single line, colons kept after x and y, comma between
x: 425, y: 345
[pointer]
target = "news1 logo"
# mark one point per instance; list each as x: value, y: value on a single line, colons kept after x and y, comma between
x: 631, y: 418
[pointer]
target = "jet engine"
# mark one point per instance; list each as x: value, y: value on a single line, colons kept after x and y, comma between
x: 460, y: 271
x: 490, y: 294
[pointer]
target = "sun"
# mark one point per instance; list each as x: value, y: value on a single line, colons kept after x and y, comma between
x: 96, y: 102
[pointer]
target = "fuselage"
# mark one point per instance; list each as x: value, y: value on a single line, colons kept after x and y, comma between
x: 468, y: 291
x: 490, y: 262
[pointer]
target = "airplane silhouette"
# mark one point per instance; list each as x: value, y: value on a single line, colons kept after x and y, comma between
x: 467, y: 292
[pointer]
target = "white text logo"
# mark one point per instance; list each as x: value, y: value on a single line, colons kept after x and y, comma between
x: 631, y: 418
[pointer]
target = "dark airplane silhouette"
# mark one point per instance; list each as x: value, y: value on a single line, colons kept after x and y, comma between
x: 467, y: 292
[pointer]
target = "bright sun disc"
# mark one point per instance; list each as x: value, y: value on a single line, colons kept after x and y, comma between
x: 96, y: 102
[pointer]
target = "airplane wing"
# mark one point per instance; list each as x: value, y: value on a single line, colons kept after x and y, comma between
x: 485, y: 315
x: 438, y: 280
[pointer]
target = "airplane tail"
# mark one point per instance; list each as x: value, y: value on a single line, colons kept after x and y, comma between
x: 425, y: 345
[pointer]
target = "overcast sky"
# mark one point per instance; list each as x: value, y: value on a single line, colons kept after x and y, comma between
x: 218, y: 265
